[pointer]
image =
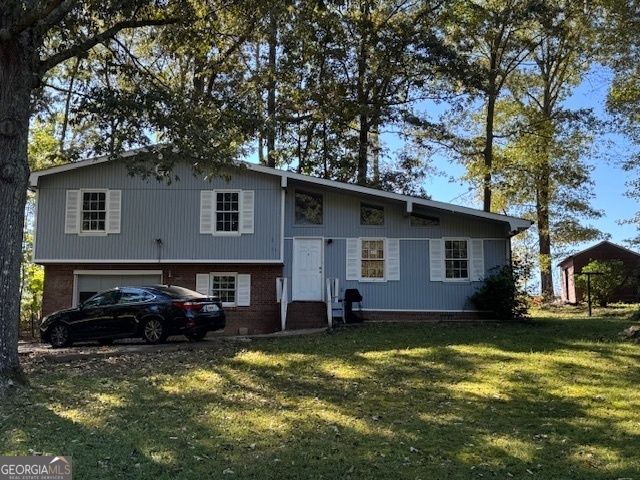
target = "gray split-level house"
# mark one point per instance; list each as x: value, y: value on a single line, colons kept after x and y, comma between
x: 271, y: 243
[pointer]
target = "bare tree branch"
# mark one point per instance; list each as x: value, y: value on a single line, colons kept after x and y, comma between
x: 108, y: 34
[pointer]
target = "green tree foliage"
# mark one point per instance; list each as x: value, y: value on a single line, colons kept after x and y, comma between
x: 620, y: 50
x: 347, y: 71
x: 611, y: 275
x: 113, y: 75
x: 31, y: 285
x: 530, y: 158
x: 500, y: 36
x: 544, y: 162
x: 184, y: 85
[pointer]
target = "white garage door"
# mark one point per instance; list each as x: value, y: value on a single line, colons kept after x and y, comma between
x: 88, y: 284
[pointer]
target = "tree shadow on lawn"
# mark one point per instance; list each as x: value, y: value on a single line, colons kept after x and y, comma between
x: 537, y: 335
x: 408, y: 405
x: 174, y: 434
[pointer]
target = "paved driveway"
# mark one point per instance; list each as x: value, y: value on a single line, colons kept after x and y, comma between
x: 130, y: 346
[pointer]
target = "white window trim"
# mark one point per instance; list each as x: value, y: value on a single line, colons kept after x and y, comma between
x: 73, y: 212
x: 385, y: 260
x: 466, y: 279
x: 391, y: 260
x: 475, y: 259
x: 93, y: 233
x: 246, y: 212
x: 225, y: 274
x: 222, y: 233
x: 204, y: 285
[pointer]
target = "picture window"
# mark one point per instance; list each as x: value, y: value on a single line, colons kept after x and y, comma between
x: 371, y: 215
x: 308, y: 208
x: 418, y: 220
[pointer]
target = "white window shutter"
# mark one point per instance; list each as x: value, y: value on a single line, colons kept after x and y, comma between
x: 206, y: 211
x: 353, y: 259
x: 393, y: 259
x: 72, y: 212
x: 114, y: 208
x: 477, y: 259
x: 202, y: 283
x: 246, y: 220
x: 436, y: 260
x: 244, y: 290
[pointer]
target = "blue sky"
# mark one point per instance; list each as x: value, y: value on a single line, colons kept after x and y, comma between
x: 609, y: 178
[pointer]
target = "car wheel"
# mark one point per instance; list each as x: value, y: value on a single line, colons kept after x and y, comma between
x: 153, y: 331
x: 196, y: 336
x: 60, y: 337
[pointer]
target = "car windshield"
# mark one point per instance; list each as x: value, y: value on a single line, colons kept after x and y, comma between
x: 178, y: 292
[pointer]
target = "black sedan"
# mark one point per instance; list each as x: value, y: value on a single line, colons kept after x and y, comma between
x: 151, y: 312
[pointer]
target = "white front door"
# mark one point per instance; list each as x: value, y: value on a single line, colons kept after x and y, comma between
x: 307, y: 269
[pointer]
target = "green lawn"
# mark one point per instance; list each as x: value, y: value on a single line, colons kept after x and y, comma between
x: 554, y: 398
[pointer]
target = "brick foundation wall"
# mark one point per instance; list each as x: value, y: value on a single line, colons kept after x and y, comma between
x: 58, y: 288
x: 376, y: 316
x: 263, y: 316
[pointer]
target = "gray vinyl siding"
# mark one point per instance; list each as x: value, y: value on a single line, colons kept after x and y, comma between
x: 153, y: 210
x: 414, y: 291
x: 341, y: 219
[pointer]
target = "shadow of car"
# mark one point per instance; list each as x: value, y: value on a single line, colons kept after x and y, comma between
x: 150, y: 312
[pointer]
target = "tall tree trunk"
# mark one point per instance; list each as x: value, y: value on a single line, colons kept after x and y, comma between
x: 362, y: 96
x: 544, y: 234
x: 67, y: 106
x: 363, y: 149
x: 259, y: 99
x: 492, y: 91
x: 15, y: 89
x: 376, y: 155
x: 271, y: 89
x: 488, y: 151
x: 544, y: 192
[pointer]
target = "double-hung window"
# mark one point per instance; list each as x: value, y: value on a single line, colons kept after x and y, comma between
x: 92, y: 212
x: 227, y: 212
x: 224, y: 286
x: 456, y: 259
x: 232, y: 288
x: 372, y: 259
